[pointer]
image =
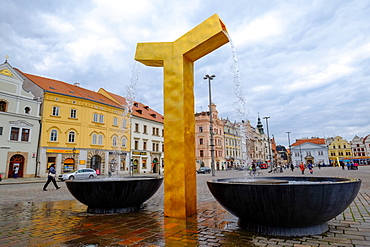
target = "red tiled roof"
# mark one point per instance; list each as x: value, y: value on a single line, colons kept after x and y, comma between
x: 318, y: 141
x: 139, y: 109
x: 59, y: 87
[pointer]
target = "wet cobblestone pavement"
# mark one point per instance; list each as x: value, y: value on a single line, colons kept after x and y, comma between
x: 32, y: 217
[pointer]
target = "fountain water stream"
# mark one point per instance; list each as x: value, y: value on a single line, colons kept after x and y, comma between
x: 240, y: 104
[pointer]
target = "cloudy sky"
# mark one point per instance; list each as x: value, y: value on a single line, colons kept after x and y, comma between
x: 305, y: 64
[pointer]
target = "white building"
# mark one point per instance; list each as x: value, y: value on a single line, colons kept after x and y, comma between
x: 313, y: 150
x: 147, y: 137
x: 19, y: 125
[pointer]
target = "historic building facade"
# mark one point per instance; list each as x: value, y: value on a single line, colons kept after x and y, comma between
x: 313, y: 150
x: 80, y: 128
x: 339, y: 150
x: 233, y: 152
x: 147, y: 136
x: 203, y: 137
x: 19, y: 125
x: 361, y: 150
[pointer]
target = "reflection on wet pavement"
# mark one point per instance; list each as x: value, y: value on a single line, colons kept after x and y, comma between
x: 66, y: 223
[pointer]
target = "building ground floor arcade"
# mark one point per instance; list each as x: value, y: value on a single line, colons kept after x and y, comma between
x: 104, y: 162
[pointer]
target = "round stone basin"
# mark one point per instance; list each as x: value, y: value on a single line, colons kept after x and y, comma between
x: 285, y: 206
x: 114, y: 195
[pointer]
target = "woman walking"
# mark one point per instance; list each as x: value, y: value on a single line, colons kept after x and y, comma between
x: 51, y: 178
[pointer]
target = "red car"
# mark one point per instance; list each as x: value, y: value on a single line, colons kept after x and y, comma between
x: 263, y: 166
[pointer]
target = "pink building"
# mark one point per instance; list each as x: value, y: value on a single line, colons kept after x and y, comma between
x: 203, y: 137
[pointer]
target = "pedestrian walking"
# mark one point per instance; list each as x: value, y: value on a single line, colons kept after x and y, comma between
x: 310, y: 167
x: 356, y: 166
x: 301, y: 166
x: 51, y: 178
x: 292, y: 167
x: 16, y: 170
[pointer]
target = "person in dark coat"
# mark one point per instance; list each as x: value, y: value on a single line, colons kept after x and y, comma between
x: 51, y: 178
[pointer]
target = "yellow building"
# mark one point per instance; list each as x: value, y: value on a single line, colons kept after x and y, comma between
x: 79, y: 128
x: 339, y: 150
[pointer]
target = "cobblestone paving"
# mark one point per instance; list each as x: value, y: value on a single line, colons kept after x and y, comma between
x: 32, y: 217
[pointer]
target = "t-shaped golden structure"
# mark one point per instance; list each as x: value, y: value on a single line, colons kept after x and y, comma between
x: 177, y: 58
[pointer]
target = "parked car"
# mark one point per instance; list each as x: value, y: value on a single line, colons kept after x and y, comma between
x: 263, y: 166
x: 84, y: 173
x: 204, y: 170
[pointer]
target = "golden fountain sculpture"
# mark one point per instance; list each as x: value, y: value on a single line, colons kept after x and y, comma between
x: 177, y: 58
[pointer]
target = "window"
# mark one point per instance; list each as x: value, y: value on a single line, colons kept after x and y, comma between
x: 93, y: 139
x: 200, y: 129
x: 321, y: 152
x: 124, y: 141
x: 136, y: 145
x: 100, y: 140
x: 200, y: 141
x: 96, y: 116
x: 2, y: 106
x: 101, y: 118
x: 201, y: 154
x: 71, y: 136
x: 153, y: 133
x: 25, y: 135
x: 115, y: 121
x: 1, y: 131
x: 145, y: 129
x: 27, y: 110
x: 14, y: 133
x: 55, y: 111
x: 73, y: 113
x: 114, y: 141
x: 124, y: 123
x: 136, y: 127
x: 53, y: 135
x: 144, y: 145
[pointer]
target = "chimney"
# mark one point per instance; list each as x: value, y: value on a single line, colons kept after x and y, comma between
x: 77, y: 84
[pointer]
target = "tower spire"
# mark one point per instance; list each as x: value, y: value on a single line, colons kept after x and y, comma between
x: 259, y: 125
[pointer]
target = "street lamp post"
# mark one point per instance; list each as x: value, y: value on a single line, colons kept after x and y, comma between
x: 74, y: 161
x: 211, y: 122
x: 290, y: 149
x: 268, y: 140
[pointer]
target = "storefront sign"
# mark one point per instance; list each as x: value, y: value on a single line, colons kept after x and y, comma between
x: 62, y: 151
x: 139, y: 153
x: 117, y: 152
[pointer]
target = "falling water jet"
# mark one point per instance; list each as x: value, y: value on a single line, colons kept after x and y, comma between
x: 130, y: 99
x: 240, y: 106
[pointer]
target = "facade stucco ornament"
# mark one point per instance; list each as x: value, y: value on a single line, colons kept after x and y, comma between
x: 20, y: 123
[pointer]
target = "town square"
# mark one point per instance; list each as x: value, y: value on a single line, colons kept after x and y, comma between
x: 185, y: 131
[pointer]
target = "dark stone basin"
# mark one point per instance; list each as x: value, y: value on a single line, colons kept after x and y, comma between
x: 114, y: 195
x: 285, y: 206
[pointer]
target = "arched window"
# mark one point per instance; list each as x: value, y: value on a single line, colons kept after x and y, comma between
x: 94, y: 139
x: 71, y: 136
x: 100, y: 140
x: 124, y: 141
x: 2, y: 105
x: 53, y: 135
x: 114, y: 141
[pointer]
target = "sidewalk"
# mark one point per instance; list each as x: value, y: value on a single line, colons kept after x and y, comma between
x: 43, y: 180
x: 22, y: 180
